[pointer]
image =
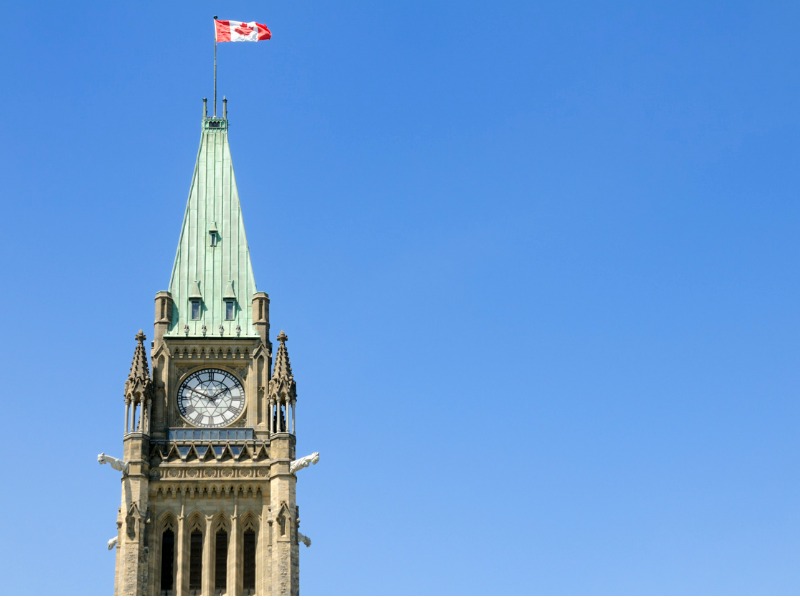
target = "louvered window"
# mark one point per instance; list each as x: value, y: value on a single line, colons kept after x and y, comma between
x: 168, y: 563
x: 195, y: 563
x: 221, y: 563
x: 249, y: 564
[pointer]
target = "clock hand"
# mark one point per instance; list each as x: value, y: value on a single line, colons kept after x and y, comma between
x: 203, y: 394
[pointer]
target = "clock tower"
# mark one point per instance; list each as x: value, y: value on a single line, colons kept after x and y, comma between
x: 208, y: 468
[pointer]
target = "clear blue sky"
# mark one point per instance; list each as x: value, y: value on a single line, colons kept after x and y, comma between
x: 538, y: 264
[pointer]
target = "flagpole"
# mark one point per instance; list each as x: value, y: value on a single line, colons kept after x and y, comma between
x: 215, y: 65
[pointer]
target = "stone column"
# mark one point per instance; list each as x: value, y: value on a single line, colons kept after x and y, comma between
x: 260, y: 307
x: 263, y: 551
x: 182, y: 558
x: 234, y: 561
x: 163, y: 314
x: 284, y: 567
x: 208, y: 560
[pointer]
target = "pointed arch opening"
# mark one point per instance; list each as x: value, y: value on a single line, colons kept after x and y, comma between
x: 249, y: 549
x: 249, y: 543
x: 221, y: 539
x: 167, y: 573
x: 196, y: 561
x: 221, y: 562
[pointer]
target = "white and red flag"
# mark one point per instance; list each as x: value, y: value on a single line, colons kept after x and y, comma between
x: 237, y: 31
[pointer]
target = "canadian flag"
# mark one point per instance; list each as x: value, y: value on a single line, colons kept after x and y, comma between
x: 236, y: 31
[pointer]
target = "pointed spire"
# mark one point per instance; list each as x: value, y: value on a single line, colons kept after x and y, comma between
x: 138, y: 385
x: 283, y: 368
x: 212, y: 248
x: 282, y: 387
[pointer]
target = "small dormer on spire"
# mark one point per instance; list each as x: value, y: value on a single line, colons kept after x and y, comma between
x: 282, y: 391
x: 138, y: 390
x: 213, y: 234
x: 229, y: 298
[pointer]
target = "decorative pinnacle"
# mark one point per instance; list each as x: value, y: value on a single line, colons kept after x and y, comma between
x: 138, y: 383
x: 282, y: 372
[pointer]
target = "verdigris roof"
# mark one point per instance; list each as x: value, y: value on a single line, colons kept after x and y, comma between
x: 213, y: 259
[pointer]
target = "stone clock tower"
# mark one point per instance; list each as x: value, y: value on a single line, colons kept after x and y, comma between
x: 208, y: 470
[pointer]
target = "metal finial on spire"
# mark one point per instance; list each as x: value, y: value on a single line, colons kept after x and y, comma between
x: 215, y: 65
x: 224, y: 107
x: 205, y: 108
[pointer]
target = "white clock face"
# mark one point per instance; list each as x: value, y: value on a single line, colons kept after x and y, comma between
x: 211, y: 398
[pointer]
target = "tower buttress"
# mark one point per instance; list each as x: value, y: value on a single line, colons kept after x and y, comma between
x: 283, y: 483
x: 132, y: 550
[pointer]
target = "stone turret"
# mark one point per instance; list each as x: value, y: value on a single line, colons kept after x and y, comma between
x: 282, y: 391
x: 131, y: 577
x: 138, y: 390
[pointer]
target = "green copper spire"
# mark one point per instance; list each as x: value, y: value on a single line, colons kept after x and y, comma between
x: 212, y: 283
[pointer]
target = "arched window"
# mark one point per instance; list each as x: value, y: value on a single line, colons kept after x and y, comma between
x: 221, y: 562
x: 167, y: 587
x: 249, y: 562
x: 196, y: 562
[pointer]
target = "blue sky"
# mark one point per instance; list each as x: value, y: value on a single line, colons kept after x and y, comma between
x: 537, y: 263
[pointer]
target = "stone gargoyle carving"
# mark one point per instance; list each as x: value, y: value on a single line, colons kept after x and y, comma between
x: 302, y: 463
x: 302, y: 538
x: 112, y: 543
x: 114, y: 463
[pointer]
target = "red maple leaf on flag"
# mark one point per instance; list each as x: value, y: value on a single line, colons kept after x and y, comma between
x: 244, y: 29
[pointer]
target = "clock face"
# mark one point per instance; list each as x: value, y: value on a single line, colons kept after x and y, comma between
x: 211, y: 398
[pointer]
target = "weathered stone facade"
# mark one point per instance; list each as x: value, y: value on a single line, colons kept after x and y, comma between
x: 208, y: 495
